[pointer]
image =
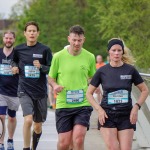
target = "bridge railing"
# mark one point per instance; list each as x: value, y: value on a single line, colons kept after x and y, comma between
x: 142, y: 134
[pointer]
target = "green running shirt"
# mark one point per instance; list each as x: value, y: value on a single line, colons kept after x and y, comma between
x: 73, y: 73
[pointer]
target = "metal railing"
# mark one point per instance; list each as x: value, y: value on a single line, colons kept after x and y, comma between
x: 143, y: 124
x: 145, y: 75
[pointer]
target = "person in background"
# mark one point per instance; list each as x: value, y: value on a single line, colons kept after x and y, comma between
x: 99, y: 63
x: 98, y: 91
x: 51, y: 98
x: 117, y: 114
x: 32, y: 61
x: 9, y: 102
x: 70, y: 71
x: 107, y: 59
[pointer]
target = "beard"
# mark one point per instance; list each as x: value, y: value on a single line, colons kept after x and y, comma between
x: 8, y: 45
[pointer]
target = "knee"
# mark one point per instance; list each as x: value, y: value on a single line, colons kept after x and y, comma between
x: 3, y: 117
x: 79, y: 141
x: 63, y: 144
x: 112, y: 146
x: 37, y: 128
x: 12, y: 120
x: 28, y: 121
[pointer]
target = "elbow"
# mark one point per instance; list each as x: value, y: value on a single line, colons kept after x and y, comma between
x: 147, y: 91
x: 49, y: 80
x: 88, y: 95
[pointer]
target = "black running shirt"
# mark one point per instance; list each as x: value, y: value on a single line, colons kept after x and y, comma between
x: 8, y: 82
x: 35, y: 87
x: 117, y: 85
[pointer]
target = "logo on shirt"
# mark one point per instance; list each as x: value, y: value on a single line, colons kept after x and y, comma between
x: 6, y: 61
x: 83, y: 67
x: 124, y: 77
x: 37, y: 56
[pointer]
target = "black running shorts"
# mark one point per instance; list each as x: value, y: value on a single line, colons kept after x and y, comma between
x: 66, y: 118
x: 119, y: 120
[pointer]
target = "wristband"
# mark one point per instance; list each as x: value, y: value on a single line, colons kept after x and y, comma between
x: 138, y: 105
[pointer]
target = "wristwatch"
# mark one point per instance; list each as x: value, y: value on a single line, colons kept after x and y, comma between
x: 138, y: 105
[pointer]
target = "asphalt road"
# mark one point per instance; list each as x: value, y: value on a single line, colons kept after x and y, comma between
x: 48, y: 141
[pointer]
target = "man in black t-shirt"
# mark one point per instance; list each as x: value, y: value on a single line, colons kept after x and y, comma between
x: 9, y: 102
x: 32, y: 61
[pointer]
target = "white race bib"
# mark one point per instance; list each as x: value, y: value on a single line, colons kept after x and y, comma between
x: 117, y: 97
x: 75, y: 96
x: 31, y: 72
x: 5, y: 69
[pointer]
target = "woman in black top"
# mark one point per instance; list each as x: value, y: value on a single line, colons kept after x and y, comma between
x: 117, y: 116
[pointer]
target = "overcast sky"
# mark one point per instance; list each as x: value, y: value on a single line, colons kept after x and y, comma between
x: 5, y: 7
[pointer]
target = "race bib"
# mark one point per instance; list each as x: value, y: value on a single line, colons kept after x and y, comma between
x: 117, y: 97
x: 31, y: 72
x: 5, y: 69
x: 75, y: 96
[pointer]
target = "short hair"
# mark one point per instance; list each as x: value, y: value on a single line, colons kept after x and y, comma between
x: 31, y: 23
x: 77, y: 29
x: 9, y: 32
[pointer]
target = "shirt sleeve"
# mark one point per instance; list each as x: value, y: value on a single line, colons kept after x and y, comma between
x: 48, y: 58
x: 92, y: 67
x: 54, y: 67
x: 96, y: 80
x: 15, y: 59
x: 137, y: 79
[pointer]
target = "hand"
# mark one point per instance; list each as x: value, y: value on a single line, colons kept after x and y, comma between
x: 134, y: 114
x: 102, y: 115
x: 58, y: 88
x: 15, y: 70
x: 36, y: 63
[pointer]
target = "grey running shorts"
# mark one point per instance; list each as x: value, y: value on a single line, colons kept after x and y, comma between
x: 37, y: 108
x: 11, y: 102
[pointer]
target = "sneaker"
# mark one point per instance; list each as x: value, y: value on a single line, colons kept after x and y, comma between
x: 2, y: 147
x: 51, y: 107
x: 10, y: 146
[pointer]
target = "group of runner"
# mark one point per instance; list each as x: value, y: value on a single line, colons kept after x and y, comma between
x: 23, y: 71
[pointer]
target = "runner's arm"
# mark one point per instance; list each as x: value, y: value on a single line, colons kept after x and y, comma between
x: 56, y: 87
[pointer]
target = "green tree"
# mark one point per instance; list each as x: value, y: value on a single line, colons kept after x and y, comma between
x: 102, y: 20
x: 128, y: 20
x: 55, y: 18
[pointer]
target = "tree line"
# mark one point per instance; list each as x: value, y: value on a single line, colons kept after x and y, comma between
x: 102, y: 20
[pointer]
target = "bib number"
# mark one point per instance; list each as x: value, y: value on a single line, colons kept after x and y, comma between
x: 5, y: 70
x: 117, y: 97
x: 31, y: 72
x: 75, y: 96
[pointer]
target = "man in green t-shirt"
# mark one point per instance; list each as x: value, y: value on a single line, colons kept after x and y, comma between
x: 70, y: 71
